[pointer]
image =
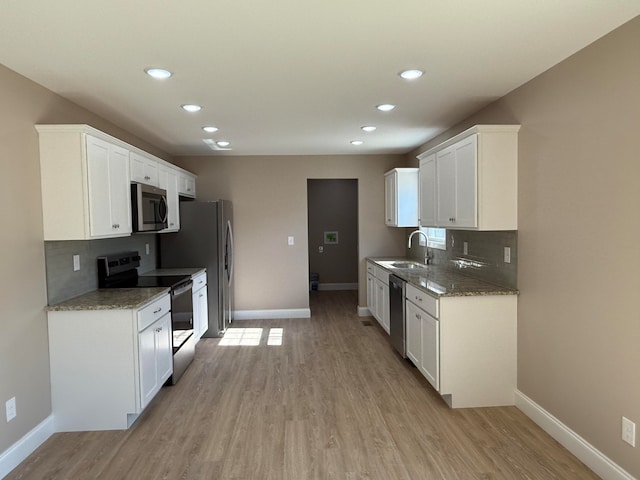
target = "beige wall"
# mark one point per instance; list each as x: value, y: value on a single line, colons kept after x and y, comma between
x: 24, y: 353
x: 578, y: 238
x: 269, y: 196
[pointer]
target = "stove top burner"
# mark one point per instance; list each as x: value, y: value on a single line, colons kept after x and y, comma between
x: 120, y: 271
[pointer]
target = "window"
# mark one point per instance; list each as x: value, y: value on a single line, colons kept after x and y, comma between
x: 437, y: 237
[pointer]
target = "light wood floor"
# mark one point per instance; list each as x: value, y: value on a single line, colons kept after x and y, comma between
x: 334, y: 401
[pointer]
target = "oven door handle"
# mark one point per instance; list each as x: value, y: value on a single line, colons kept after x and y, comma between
x: 182, y: 289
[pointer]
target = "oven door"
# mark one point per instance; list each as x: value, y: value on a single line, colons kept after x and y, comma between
x: 148, y: 208
x: 181, y: 313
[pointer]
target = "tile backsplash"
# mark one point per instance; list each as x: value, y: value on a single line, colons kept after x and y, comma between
x: 63, y: 283
x: 484, y: 258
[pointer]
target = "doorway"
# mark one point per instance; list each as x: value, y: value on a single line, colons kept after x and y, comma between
x: 332, y: 212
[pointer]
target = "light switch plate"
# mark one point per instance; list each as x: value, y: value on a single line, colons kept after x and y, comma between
x: 11, y: 409
x: 629, y: 431
x: 76, y: 263
x: 507, y: 254
x: 290, y: 240
x: 146, y: 248
x: 465, y: 248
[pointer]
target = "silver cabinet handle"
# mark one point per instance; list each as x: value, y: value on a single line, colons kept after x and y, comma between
x: 158, y: 310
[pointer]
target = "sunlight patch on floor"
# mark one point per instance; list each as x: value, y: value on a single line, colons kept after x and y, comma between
x: 251, y: 337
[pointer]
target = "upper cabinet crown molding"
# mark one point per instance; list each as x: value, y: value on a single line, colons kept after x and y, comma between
x: 471, y: 180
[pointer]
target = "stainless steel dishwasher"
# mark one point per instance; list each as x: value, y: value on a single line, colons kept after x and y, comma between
x: 396, y: 314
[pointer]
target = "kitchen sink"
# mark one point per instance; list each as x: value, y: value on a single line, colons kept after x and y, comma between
x: 404, y: 265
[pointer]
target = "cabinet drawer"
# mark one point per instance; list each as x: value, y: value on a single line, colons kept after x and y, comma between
x: 153, y: 311
x: 382, y: 274
x: 371, y: 268
x: 199, y: 281
x: 423, y: 300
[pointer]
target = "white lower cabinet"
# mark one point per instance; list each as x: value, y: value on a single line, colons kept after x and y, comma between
x: 107, y: 365
x: 464, y: 346
x: 154, y: 357
x: 378, y: 294
x: 200, y: 305
x: 423, y: 338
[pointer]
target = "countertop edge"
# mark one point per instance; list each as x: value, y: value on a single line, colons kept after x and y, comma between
x: 111, y: 300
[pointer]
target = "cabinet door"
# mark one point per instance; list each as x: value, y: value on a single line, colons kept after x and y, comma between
x: 371, y: 294
x: 390, y: 200
x: 427, y: 192
x: 187, y: 185
x: 203, y: 311
x: 109, y: 193
x: 429, y: 363
x: 466, y: 181
x: 169, y: 181
x: 147, y: 361
x: 164, y: 349
x: 100, y: 223
x: 379, y: 300
x: 446, y: 187
x: 144, y: 170
x: 414, y: 333
x: 155, y: 358
x: 119, y: 190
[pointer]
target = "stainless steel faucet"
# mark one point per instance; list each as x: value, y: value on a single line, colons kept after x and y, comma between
x: 426, y: 239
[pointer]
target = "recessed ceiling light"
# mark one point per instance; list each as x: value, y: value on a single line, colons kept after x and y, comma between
x: 411, y: 74
x: 210, y: 129
x: 356, y: 142
x: 368, y: 128
x: 158, y: 73
x: 385, y: 107
x: 222, y: 144
x: 192, y: 108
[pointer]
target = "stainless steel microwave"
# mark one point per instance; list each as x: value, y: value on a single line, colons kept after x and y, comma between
x: 149, y: 209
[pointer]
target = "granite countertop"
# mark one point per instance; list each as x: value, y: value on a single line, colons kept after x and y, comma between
x: 110, y: 299
x: 175, y: 271
x: 441, y: 281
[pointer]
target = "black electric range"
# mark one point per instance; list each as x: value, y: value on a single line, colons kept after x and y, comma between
x: 121, y: 271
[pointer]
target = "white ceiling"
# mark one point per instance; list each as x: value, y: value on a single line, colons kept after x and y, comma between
x: 289, y: 77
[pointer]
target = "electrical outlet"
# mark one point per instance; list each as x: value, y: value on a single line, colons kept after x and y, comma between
x: 507, y: 254
x: 11, y: 409
x: 146, y: 248
x: 290, y: 240
x: 76, y: 263
x: 320, y: 249
x: 465, y: 248
x: 629, y: 431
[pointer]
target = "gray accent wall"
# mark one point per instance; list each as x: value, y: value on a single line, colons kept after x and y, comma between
x: 333, y: 206
x: 484, y: 259
x: 63, y: 283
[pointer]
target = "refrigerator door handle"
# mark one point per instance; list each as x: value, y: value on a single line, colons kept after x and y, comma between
x: 229, y: 253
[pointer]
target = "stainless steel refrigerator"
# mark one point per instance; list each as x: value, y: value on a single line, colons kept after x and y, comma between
x: 205, y: 239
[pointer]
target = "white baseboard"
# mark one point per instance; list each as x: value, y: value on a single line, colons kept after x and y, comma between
x: 586, y: 453
x: 16, y: 453
x: 364, y: 312
x: 271, y: 314
x: 338, y: 286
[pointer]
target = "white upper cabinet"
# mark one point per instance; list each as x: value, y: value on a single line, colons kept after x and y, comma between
x: 144, y: 169
x: 401, y: 197
x: 168, y: 180
x: 187, y: 185
x: 86, y: 183
x: 471, y: 180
